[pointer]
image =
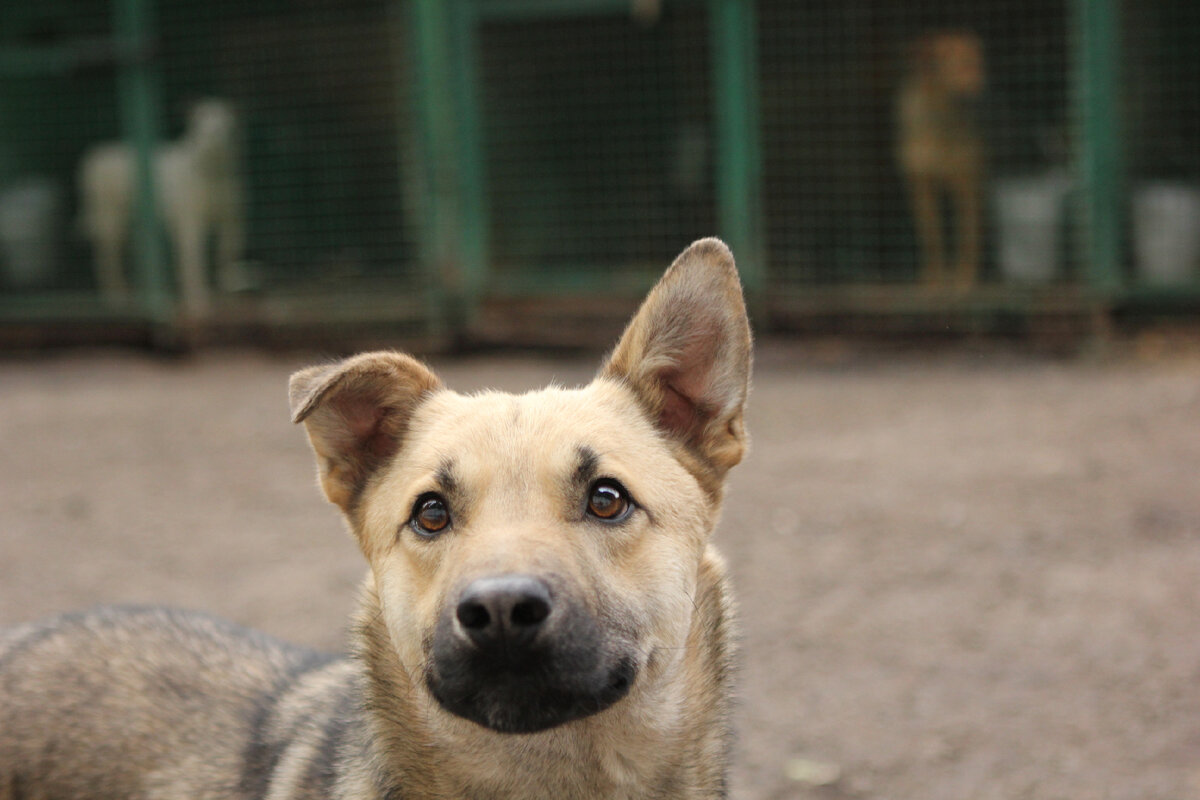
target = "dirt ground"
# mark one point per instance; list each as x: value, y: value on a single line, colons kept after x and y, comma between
x: 961, y: 576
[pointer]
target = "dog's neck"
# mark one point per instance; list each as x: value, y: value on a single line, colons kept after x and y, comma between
x: 209, y: 154
x: 663, y: 740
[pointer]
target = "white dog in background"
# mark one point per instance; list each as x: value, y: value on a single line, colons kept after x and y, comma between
x: 199, y: 193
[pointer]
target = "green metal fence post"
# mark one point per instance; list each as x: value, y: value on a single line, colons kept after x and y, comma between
x: 448, y: 114
x: 739, y: 151
x: 138, y: 91
x: 473, y: 217
x: 435, y: 117
x: 1098, y: 150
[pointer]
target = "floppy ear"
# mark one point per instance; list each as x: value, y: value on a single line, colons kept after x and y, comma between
x: 686, y: 354
x: 356, y: 412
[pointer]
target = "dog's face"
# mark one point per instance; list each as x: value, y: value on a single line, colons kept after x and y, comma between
x: 535, y: 556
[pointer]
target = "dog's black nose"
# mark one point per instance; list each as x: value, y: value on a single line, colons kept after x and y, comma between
x: 503, y: 611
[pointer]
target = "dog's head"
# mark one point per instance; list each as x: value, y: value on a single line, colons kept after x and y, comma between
x: 535, y: 556
x: 211, y: 120
x: 952, y: 60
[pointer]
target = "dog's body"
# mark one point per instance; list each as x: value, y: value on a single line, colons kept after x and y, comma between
x: 940, y: 150
x: 544, y: 615
x: 199, y: 193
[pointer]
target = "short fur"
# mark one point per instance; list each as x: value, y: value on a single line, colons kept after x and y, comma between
x: 618, y: 688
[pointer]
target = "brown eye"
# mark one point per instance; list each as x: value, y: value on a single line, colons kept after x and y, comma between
x: 430, y: 515
x: 609, y: 501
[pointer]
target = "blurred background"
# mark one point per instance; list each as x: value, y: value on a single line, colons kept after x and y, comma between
x: 964, y: 572
x: 474, y: 167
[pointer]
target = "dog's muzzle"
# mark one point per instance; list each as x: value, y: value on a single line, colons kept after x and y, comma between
x: 512, y: 656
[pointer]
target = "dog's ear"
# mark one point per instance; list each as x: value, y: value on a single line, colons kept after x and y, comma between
x: 356, y: 412
x: 686, y: 354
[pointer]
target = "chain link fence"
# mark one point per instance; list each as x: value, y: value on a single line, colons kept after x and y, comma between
x: 877, y: 113
x: 299, y: 161
x: 599, y: 143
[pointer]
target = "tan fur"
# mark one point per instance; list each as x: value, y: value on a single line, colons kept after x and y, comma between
x: 663, y: 417
x: 940, y: 150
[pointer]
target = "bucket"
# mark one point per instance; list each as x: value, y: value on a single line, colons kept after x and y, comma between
x: 1029, y: 221
x: 30, y: 212
x: 1166, y: 233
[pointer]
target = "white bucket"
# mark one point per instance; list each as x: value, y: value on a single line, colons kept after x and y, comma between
x: 1029, y: 221
x: 30, y: 212
x: 1166, y: 233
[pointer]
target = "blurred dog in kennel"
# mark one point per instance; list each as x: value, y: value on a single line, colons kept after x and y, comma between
x: 940, y: 150
x: 199, y: 195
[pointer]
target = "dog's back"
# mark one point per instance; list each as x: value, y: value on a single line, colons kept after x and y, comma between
x: 206, y: 709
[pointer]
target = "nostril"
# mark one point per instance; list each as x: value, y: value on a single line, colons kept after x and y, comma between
x: 504, y: 610
x: 473, y: 615
x: 530, y: 611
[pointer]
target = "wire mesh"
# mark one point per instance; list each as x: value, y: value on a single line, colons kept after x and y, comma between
x: 852, y: 95
x: 930, y: 143
x: 1161, y: 128
x: 309, y: 184
x: 599, y: 142
x: 53, y: 101
x: 320, y: 92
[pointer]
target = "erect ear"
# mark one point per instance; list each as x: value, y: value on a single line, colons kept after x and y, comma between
x: 686, y: 354
x: 356, y: 412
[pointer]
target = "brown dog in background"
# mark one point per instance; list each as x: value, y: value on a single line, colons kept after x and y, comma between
x: 940, y: 150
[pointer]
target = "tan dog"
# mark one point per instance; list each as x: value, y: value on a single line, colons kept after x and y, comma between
x: 941, y: 150
x: 544, y: 615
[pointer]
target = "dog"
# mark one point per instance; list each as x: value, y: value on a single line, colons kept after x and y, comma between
x: 199, y: 193
x: 940, y: 150
x: 544, y: 615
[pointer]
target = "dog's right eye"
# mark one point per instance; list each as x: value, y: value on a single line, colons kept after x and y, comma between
x: 608, y: 501
x: 430, y: 515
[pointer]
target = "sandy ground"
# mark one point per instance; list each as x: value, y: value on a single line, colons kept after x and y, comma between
x: 960, y: 576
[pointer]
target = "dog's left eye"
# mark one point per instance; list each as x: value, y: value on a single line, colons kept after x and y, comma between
x: 609, y: 501
x: 430, y: 515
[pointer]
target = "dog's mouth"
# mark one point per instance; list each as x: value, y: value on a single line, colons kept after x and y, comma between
x: 527, y: 664
x: 511, y: 702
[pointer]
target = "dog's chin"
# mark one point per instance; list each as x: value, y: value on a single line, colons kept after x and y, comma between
x: 511, y: 701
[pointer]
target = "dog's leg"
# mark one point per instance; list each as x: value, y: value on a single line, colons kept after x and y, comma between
x: 966, y: 194
x: 231, y: 237
x: 109, y: 249
x: 104, y: 219
x: 929, y: 228
x: 188, y: 233
x: 105, y: 202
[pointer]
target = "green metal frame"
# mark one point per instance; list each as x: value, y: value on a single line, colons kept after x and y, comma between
x: 455, y: 229
x: 473, y: 178
x: 139, y: 94
x: 542, y: 9
x: 435, y: 121
x: 1099, y: 148
x: 454, y: 247
x: 449, y: 47
x: 131, y: 52
x: 739, y: 149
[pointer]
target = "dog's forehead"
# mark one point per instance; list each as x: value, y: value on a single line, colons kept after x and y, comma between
x: 551, y: 425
